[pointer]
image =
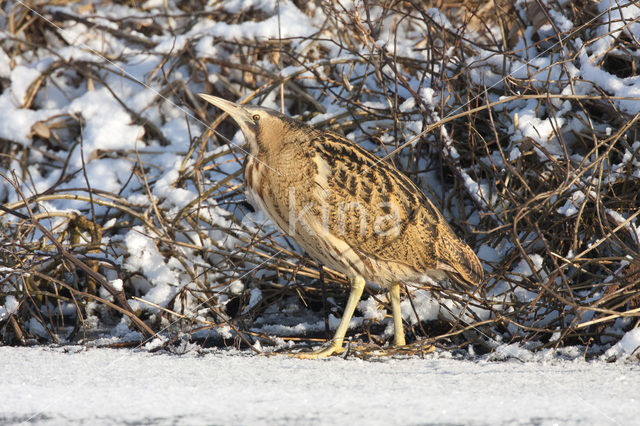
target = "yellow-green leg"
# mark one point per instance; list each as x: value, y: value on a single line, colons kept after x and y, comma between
x: 335, y: 346
x: 398, y: 330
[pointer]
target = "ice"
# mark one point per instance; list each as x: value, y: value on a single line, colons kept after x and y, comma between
x: 228, y: 387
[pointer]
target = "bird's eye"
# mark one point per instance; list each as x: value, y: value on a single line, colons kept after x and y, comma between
x: 256, y: 117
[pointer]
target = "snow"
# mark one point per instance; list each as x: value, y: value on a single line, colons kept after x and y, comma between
x: 488, y: 253
x: 573, y: 204
x: 424, y: 305
x: 146, y: 257
x: 297, y: 26
x: 16, y: 122
x: 524, y: 270
x: 10, y: 306
x: 107, y: 122
x: 102, y: 386
x: 117, y: 284
x: 21, y: 79
x: 5, y: 68
x: 370, y: 309
x: 254, y: 298
x: 627, y: 346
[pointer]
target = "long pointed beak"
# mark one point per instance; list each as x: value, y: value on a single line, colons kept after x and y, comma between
x: 237, y: 112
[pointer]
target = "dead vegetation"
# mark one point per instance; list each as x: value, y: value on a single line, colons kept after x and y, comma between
x: 555, y: 222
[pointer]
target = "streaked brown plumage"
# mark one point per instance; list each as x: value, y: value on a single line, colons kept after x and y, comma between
x: 347, y: 209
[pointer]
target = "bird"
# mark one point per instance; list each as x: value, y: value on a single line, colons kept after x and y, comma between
x: 347, y: 209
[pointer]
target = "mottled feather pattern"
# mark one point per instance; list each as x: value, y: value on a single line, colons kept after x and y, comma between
x: 380, y: 225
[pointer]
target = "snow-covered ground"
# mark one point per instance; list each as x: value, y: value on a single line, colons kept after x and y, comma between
x: 100, y: 121
x: 101, y: 386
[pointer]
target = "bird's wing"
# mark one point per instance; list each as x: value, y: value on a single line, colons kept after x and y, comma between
x: 374, y: 208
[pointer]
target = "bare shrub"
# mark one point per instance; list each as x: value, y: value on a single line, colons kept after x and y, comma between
x: 513, y: 119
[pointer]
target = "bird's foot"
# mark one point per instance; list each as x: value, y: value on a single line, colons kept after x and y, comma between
x: 333, y: 348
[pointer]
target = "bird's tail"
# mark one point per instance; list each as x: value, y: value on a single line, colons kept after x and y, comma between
x: 463, y: 264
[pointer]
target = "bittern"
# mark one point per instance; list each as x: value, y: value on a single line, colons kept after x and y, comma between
x: 348, y: 209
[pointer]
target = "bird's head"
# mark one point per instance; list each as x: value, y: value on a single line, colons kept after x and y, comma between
x: 264, y: 129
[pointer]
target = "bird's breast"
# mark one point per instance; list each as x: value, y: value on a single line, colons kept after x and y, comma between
x: 256, y: 182
x: 262, y: 191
